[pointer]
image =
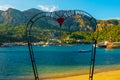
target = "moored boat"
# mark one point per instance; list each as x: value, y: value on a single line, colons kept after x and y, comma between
x: 84, y: 51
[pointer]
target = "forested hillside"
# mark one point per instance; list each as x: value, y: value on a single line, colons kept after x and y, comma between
x: 106, y: 29
x: 13, y: 24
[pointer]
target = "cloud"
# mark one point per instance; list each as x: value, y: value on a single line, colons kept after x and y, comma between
x: 48, y: 8
x: 118, y: 18
x: 5, y: 7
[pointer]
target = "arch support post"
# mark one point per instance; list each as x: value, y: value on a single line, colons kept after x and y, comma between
x: 92, y: 63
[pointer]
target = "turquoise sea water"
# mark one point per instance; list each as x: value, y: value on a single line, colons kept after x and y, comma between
x: 15, y: 61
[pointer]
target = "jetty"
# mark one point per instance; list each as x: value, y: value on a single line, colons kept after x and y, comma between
x: 108, y: 45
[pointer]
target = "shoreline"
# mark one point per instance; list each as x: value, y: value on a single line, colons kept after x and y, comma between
x: 112, y: 74
x: 78, y: 74
x: 109, y: 75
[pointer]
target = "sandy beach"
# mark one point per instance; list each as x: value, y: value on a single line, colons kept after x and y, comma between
x: 109, y: 75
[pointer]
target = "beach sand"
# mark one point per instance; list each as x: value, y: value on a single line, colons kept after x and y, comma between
x: 109, y: 75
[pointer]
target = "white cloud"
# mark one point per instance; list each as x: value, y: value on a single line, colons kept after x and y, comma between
x: 118, y: 18
x: 5, y: 7
x: 48, y: 8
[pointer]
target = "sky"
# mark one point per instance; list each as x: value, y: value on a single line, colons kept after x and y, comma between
x: 99, y: 9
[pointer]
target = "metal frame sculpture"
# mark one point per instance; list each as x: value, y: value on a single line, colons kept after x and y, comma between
x: 60, y: 19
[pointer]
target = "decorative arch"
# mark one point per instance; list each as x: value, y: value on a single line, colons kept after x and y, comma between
x: 61, y: 17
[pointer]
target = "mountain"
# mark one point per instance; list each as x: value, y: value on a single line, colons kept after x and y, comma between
x: 14, y: 17
x: 31, y: 12
x: 101, y: 24
x: 1, y: 17
x: 11, y: 29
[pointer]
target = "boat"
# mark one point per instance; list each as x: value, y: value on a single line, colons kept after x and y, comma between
x: 113, y: 45
x: 84, y: 51
x: 109, y: 45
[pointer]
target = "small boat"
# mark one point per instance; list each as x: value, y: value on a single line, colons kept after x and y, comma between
x: 84, y: 51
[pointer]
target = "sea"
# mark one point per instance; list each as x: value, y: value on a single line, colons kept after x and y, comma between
x: 15, y: 61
